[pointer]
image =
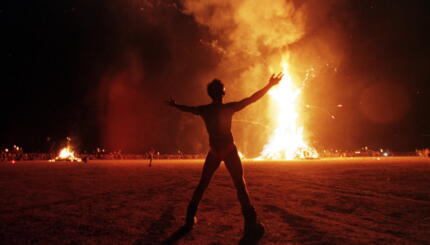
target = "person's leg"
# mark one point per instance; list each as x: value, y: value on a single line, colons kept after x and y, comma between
x: 253, y: 230
x: 234, y: 166
x: 210, y: 166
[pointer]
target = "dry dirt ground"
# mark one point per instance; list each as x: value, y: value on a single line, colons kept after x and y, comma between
x: 330, y: 201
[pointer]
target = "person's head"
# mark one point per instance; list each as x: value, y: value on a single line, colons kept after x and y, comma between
x: 216, y: 89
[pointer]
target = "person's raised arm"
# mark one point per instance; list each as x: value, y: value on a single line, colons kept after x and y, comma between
x: 192, y: 109
x: 274, y: 80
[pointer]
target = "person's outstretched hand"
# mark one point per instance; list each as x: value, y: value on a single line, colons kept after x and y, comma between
x: 275, y: 79
x: 171, y: 102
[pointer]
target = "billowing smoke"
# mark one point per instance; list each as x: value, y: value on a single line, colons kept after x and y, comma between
x: 99, y: 71
x: 249, y: 35
x: 253, y: 38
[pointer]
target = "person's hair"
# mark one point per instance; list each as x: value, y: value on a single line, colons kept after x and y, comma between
x: 216, y: 89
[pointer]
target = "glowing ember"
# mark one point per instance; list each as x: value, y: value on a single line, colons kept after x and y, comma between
x: 287, y: 140
x: 66, y: 154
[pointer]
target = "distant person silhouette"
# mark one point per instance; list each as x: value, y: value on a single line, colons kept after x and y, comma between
x: 217, y: 117
x: 151, y: 156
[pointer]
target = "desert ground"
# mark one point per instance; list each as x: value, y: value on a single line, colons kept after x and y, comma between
x: 325, y: 201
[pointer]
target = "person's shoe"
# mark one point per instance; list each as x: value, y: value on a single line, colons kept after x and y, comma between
x: 253, y: 232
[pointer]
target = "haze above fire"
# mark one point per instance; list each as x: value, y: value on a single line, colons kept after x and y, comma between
x: 98, y: 71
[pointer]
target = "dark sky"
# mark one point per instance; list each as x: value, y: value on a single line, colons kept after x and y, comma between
x: 99, y: 71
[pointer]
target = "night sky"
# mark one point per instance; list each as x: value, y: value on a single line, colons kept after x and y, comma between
x: 99, y: 71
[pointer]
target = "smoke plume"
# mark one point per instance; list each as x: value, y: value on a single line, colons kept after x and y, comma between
x: 253, y: 38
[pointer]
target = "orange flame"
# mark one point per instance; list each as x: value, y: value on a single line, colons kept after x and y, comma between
x: 67, y: 154
x: 287, y: 141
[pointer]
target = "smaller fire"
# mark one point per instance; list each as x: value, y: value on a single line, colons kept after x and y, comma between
x: 66, y: 154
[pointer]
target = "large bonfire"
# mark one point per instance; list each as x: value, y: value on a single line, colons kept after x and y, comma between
x: 287, y: 140
x: 66, y: 154
x: 254, y: 38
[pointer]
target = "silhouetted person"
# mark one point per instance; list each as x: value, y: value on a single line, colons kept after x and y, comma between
x: 217, y: 117
x: 151, y: 156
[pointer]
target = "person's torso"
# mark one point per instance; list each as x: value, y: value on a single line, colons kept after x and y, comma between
x: 217, y: 118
